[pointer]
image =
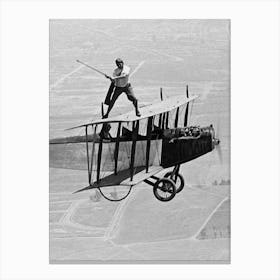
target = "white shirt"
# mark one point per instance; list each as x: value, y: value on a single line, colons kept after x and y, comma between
x: 124, y: 73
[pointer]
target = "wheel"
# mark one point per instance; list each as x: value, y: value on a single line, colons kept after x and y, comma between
x: 180, y: 182
x: 164, y: 189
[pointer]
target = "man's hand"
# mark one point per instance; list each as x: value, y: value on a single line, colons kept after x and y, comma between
x: 108, y: 77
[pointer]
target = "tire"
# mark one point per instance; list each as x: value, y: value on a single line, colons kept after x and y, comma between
x: 164, y: 186
x: 180, y: 181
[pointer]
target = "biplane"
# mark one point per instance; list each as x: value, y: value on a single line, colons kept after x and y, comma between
x: 127, y: 150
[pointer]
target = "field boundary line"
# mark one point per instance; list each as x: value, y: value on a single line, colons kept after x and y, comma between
x: 65, y: 76
x: 209, y: 217
x: 116, y: 218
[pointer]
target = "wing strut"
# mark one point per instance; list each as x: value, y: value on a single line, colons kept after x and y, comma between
x: 135, y: 128
x: 176, y: 118
x: 167, y: 119
x: 116, y: 154
x: 160, y: 121
x: 89, y: 173
x: 99, y: 159
x: 149, y: 136
x: 187, y: 108
x: 92, y: 151
x: 164, y: 126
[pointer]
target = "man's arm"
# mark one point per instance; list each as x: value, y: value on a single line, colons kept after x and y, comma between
x: 119, y: 77
x: 124, y: 73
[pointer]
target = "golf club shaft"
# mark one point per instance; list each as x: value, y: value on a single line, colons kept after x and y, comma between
x: 92, y: 68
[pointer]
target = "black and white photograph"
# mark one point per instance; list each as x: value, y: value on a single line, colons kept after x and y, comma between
x: 139, y: 148
x: 139, y: 139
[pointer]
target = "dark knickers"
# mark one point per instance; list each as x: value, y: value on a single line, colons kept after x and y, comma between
x: 128, y: 91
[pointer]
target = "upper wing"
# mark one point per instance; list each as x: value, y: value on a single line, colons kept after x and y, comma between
x: 147, y: 111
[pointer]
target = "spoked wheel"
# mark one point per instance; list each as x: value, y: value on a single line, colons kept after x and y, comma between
x: 179, y: 181
x: 164, y: 189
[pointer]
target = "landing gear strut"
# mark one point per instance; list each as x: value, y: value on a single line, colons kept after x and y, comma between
x: 166, y: 188
x: 176, y: 177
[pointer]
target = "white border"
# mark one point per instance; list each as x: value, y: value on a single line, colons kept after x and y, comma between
x: 24, y: 138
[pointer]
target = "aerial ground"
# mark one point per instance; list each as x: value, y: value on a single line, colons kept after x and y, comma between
x: 195, y: 225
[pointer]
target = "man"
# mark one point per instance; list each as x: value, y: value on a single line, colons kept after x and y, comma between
x: 119, y: 85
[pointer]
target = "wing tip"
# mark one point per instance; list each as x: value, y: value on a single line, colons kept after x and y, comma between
x: 83, y: 189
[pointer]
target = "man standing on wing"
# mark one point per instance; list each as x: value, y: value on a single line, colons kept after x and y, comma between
x: 119, y: 85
